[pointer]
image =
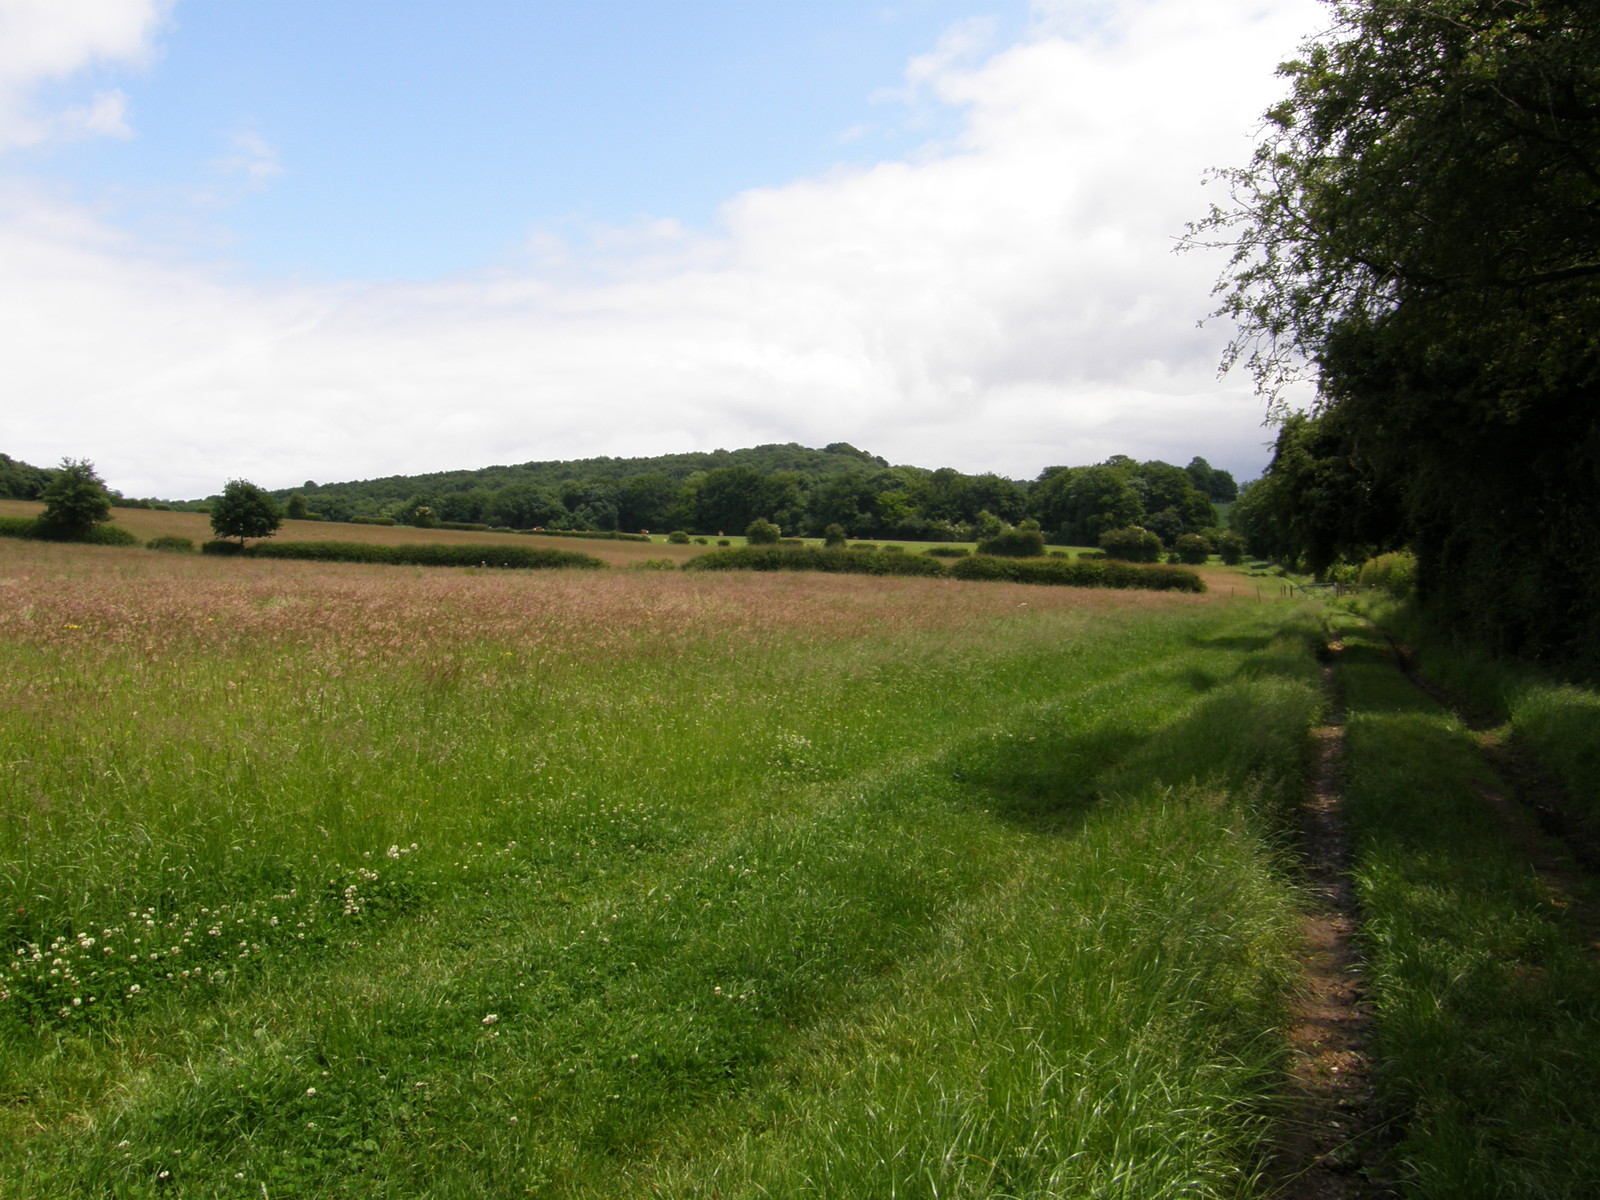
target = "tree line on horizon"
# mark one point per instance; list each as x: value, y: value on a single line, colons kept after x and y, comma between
x: 800, y: 490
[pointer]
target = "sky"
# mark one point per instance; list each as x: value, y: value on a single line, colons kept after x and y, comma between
x: 290, y: 240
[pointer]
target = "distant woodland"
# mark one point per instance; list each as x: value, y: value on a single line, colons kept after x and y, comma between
x: 802, y: 490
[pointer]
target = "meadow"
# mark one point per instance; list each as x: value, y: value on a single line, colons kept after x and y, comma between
x: 392, y: 881
x: 378, y: 881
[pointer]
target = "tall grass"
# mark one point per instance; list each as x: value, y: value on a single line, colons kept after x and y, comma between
x: 637, y: 884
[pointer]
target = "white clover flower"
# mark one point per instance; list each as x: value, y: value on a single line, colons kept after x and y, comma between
x: 392, y: 852
x: 491, y: 1019
x: 311, y: 1091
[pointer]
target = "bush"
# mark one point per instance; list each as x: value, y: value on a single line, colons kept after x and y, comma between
x: 1133, y: 544
x: 701, y: 542
x: 949, y: 551
x: 179, y: 545
x: 863, y: 546
x: 465, y: 526
x: 1014, y: 543
x: 678, y: 537
x: 892, y: 550
x: 1230, y: 546
x: 1192, y: 549
x: 372, y: 520
x: 724, y: 542
x: 1395, y: 573
x: 833, y: 535
x: 762, y: 532
x: 1092, y: 556
x: 17, y: 527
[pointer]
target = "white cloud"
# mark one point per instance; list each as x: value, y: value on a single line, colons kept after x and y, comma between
x: 1006, y: 302
x: 42, y: 40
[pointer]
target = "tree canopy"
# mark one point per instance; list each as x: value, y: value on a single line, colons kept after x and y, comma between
x: 244, y: 511
x: 75, y: 500
x: 1419, y: 229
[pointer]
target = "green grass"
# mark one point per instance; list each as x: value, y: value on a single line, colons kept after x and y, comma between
x: 1487, y: 1003
x: 884, y: 887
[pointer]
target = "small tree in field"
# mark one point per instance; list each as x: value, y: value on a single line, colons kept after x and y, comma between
x: 833, y: 535
x: 244, y: 511
x: 75, y: 501
x: 762, y: 532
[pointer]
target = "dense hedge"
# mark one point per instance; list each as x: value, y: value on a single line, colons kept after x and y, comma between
x: 1060, y: 572
x: 422, y: 555
x: 1067, y: 573
x: 601, y: 535
x: 98, y: 535
x: 813, y: 558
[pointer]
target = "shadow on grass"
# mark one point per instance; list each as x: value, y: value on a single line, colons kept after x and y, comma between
x: 1043, y: 781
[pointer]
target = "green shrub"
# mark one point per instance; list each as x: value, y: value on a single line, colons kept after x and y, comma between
x: 1192, y: 549
x: 949, y: 551
x: 1014, y: 543
x: 372, y: 520
x: 678, y: 537
x: 109, y: 535
x: 762, y: 532
x: 833, y: 535
x: 17, y: 527
x: 464, y: 526
x: 1133, y: 544
x: 1092, y: 556
x: 1059, y: 554
x: 724, y: 542
x: 791, y: 541
x: 179, y: 545
x: 1395, y: 573
x: 701, y: 542
x: 892, y: 550
x: 1230, y: 546
x: 863, y: 546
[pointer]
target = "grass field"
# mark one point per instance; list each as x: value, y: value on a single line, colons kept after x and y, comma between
x: 373, y: 881
x: 341, y: 880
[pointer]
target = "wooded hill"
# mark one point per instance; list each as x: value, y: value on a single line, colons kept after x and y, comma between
x: 802, y: 490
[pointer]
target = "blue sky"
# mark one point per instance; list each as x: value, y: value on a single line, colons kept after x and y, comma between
x: 409, y: 139
x: 339, y: 239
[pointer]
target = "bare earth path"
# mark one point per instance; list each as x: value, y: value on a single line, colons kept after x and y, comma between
x: 1330, y: 1144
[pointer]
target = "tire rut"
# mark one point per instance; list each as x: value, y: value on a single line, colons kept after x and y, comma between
x: 1331, y: 1138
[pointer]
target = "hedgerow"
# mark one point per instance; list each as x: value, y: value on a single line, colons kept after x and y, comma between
x: 423, y: 555
x: 1060, y: 572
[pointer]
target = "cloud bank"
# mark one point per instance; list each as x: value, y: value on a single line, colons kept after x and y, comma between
x: 1005, y: 301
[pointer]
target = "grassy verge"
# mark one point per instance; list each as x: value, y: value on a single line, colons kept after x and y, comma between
x: 1487, y: 1004
x: 635, y: 884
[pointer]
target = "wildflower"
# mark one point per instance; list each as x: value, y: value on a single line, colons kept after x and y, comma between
x: 311, y: 1091
x: 491, y: 1019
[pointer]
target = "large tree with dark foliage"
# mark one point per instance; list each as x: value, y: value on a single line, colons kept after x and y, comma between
x: 1421, y: 224
x: 75, y: 501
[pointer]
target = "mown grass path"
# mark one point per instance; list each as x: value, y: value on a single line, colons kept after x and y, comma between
x: 1485, y: 990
